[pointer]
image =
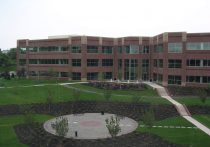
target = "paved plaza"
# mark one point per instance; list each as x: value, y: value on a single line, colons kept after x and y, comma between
x: 91, y: 125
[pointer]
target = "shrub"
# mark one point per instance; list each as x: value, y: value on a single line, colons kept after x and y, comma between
x: 202, y: 94
x: 113, y: 125
x: 61, y: 126
x: 148, y: 118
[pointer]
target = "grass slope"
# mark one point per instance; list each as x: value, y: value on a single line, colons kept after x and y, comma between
x: 204, y: 119
x: 27, y: 95
x: 190, y: 100
x: 189, y: 137
x: 8, y: 137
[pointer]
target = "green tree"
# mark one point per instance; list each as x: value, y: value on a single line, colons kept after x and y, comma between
x: 61, y: 128
x: 113, y: 125
x: 107, y: 94
x: 148, y: 118
x: 28, y: 114
x: 49, y: 99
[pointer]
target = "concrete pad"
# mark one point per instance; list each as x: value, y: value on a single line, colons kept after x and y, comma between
x: 92, y: 125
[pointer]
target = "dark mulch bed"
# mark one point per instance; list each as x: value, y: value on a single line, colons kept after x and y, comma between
x: 125, y: 109
x: 115, y: 86
x: 199, y: 109
x: 35, y: 136
x: 186, y: 91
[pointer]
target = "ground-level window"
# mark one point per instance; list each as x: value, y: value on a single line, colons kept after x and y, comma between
x: 107, y: 75
x: 173, y: 79
x: 64, y: 74
x: 92, y: 76
x: 76, y: 76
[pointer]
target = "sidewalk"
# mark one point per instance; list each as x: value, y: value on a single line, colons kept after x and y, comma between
x: 180, y: 108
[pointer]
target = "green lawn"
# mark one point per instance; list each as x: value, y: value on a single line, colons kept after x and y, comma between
x: 186, y: 136
x: 8, y: 137
x: 25, y: 82
x: 27, y: 95
x: 192, y: 100
x: 146, y: 92
x: 204, y: 119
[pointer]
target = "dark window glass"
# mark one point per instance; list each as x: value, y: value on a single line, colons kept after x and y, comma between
x: 92, y: 62
x: 76, y: 62
x: 107, y: 62
x: 76, y: 76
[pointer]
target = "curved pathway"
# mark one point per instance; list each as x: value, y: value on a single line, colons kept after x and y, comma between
x: 180, y: 108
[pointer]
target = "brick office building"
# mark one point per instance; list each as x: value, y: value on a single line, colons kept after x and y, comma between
x: 170, y: 58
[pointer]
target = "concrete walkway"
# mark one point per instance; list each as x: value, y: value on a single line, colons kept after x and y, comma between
x: 183, y: 111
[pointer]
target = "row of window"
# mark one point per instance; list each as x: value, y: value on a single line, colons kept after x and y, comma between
x: 73, y: 75
x: 130, y: 49
x: 198, y: 46
x: 172, y: 63
x: 198, y: 79
x: 198, y: 62
x: 75, y: 62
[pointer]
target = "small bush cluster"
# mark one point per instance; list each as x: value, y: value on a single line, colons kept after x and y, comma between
x: 115, y: 86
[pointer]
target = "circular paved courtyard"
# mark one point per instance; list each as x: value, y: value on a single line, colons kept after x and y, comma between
x: 91, y: 125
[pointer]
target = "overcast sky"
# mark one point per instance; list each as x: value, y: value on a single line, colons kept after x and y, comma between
x: 38, y: 19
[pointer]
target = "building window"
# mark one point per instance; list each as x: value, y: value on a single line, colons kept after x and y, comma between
x: 64, y: 74
x: 146, y: 49
x: 193, y: 62
x: 158, y: 48
x: 174, y: 63
x: 33, y: 73
x: 107, y: 49
x: 22, y: 50
x: 92, y: 62
x: 132, y: 49
x: 175, y: 47
x: 107, y: 75
x: 107, y: 62
x: 53, y: 61
x: 76, y: 49
x: 120, y: 49
x: 172, y: 79
x: 206, y: 79
x: 145, y: 69
x: 131, y: 70
x: 119, y: 63
x: 22, y: 62
x: 92, y: 76
x: 193, y: 79
x: 33, y: 61
x: 198, y: 46
x: 92, y: 49
x: 206, y: 62
x: 76, y: 62
x: 63, y: 61
x: 76, y: 76
x: 158, y: 63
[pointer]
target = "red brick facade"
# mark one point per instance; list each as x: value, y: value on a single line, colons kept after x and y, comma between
x: 187, y: 67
